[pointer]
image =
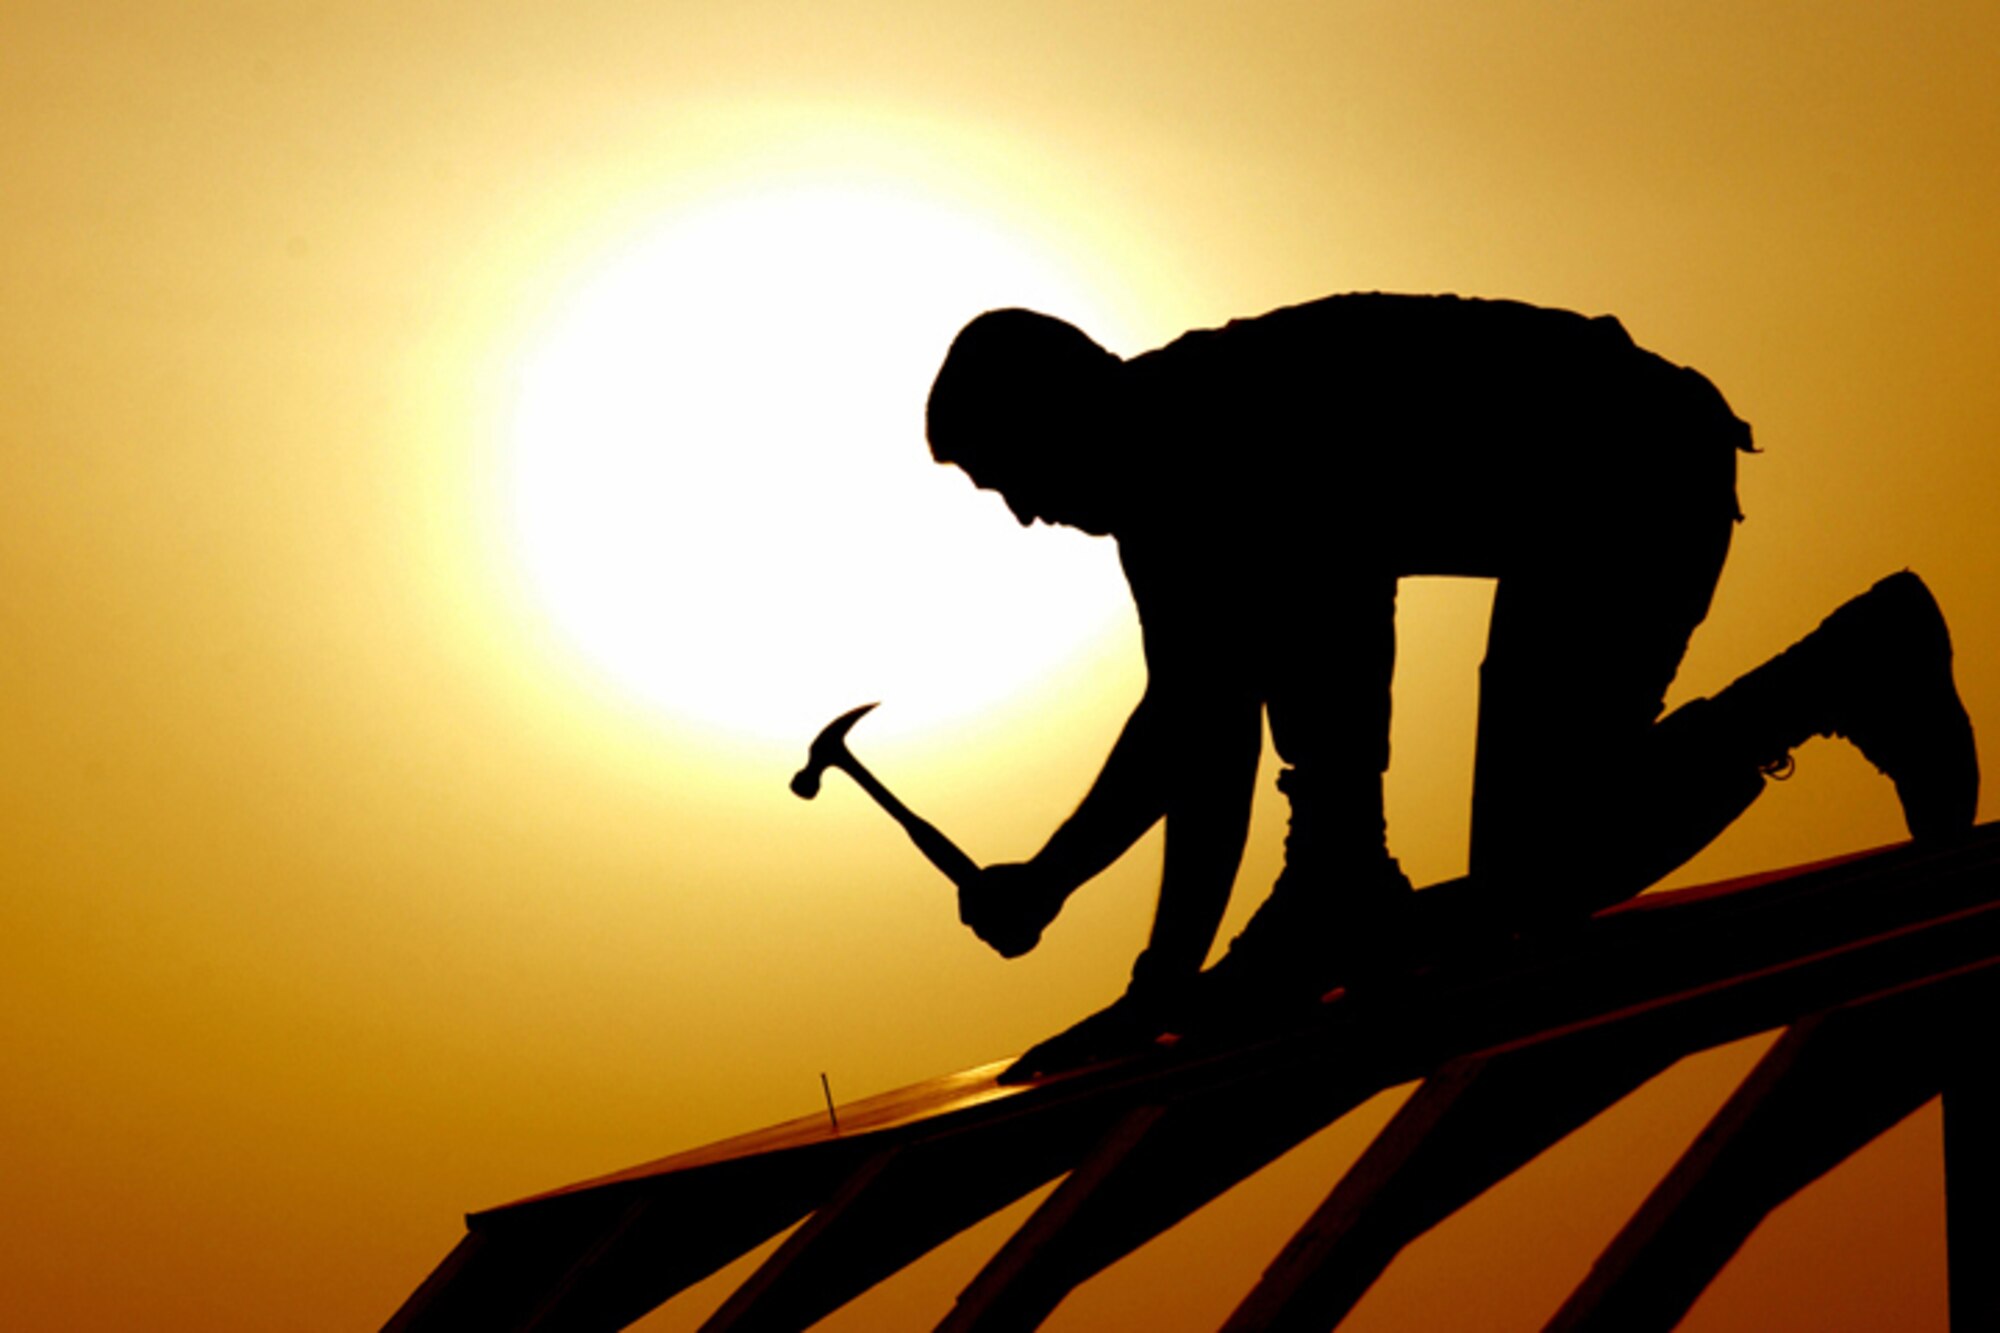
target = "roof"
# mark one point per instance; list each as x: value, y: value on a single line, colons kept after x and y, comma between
x: 1517, y: 1042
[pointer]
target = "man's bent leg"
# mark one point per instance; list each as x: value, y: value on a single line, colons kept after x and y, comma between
x: 1338, y: 915
x: 1340, y: 896
x: 1580, y: 797
x: 1877, y: 672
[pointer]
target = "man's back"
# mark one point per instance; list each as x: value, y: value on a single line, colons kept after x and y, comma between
x: 1269, y: 481
x: 1420, y: 434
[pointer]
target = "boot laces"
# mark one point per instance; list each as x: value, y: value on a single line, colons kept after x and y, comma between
x: 1781, y: 768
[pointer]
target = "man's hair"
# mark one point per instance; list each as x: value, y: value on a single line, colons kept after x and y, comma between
x: 1006, y: 370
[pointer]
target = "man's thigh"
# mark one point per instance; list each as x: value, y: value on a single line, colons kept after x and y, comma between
x: 1330, y: 663
x: 1578, y: 662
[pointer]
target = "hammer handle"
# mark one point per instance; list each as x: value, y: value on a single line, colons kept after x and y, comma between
x: 943, y: 853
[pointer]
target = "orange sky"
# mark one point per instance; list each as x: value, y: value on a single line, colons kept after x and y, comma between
x: 346, y: 890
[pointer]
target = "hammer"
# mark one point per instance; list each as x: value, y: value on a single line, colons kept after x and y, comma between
x: 829, y: 750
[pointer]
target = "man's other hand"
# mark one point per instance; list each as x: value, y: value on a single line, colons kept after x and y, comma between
x: 1009, y: 905
x: 1136, y: 1024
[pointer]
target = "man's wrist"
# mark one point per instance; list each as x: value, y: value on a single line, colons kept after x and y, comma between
x: 1056, y: 872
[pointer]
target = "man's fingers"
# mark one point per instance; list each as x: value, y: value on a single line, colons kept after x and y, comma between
x: 1009, y: 942
x: 1014, y: 946
x: 1009, y: 906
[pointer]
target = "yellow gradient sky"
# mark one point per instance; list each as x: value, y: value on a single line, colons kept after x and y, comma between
x: 394, y: 722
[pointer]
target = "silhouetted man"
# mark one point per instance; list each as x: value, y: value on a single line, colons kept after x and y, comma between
x: 1268, y: 482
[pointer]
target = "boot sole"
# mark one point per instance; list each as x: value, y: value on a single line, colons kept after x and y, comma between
x: 1930, y: 754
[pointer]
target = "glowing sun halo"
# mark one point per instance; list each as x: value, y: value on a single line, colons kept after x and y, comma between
x: 721, y: 489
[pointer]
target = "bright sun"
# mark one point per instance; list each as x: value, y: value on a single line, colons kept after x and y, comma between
x: 721, y: 488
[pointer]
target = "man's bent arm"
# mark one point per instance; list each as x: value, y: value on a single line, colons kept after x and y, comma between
x: 1212, y: 786
x: 1191, y: 757
x: 1009, y: 906
x: 1128, y: 797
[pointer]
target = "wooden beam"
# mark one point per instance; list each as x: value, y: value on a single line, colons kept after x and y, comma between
x: 1005, y: 1294
x: 740, y: 1311
x: 600, y: 1260
x: 1972, y: 1172
x: 1832, y: 1083
x: 500, y: 1279
x: 898, y: 1206
x: 1205, y: 1143
x: 651, y: 1256
x: 1165, y: 1163
x: 1715, y: 962
x: 1471, y: 1124
x: 447, y: 1278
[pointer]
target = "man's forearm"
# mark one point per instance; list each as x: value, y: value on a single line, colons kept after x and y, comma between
x: 1208, y: 822
x: 1127, y: 798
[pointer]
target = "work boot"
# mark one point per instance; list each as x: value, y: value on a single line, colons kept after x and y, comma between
x: 1338, y: 905
x: 1308, y: 937
x: 1878, y: 673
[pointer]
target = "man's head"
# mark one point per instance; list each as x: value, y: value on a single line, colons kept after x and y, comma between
x: 1021, y: 404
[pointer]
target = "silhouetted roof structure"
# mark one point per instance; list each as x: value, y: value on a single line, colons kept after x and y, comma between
x: 1881, y: 967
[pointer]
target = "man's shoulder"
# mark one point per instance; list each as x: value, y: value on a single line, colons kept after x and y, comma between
x: 1365, y: 312
x: 1359, y: 318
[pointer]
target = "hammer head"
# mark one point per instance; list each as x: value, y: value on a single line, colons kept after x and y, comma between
x: 828, y: 750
